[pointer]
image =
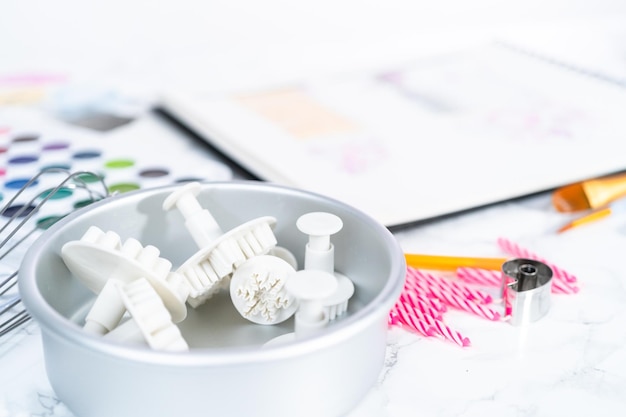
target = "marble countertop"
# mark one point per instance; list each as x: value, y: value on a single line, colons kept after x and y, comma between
x: 571, y: 362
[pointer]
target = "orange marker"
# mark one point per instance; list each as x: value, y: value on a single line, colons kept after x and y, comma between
x: 451, y: 263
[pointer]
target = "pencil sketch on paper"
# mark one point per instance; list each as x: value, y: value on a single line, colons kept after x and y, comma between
x: 474, y: 97
x: 396, y: 80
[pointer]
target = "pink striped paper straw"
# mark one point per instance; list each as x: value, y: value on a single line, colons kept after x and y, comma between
x: 422, y: 305
x: 516, y: 250
x: 493, y: 278
x: 416, y: 282
x: 413, y: 292
x: 479, y: 276
x: 417, y: 293
x: 442, y: 329
x: 403, y: 316
x: 470, y: 307
x: 428, y: 325
x: 452, y: 286
x: 454, y: 300
x: 451, y: 334
x: 422, y: 288
x: 560, y: 286
x: 392, y: 318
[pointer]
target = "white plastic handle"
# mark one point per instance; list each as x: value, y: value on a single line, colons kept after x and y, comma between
x: 319, y: 251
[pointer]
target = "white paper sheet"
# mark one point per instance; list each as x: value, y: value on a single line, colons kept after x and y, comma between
x: 438, y: 135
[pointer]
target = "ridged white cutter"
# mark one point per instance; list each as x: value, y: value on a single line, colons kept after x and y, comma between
x: 219, y: 253
x: 257, y: 290
x: 99, y: 256
x: 310, y: 287
x: 150, y: 319
x: 107, y: 311
x: 320, y: 255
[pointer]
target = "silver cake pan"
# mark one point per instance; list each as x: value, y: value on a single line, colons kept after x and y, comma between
x: 227, y: 370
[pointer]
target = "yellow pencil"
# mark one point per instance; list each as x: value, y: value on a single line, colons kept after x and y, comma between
x: 591, y: 217
x: 451, y: 263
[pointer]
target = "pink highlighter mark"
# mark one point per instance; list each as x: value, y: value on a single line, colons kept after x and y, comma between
x: 25, y: 79
x: 354, y: 157
x: 359, y: 158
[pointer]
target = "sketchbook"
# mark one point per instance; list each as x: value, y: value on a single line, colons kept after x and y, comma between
x: 434, y: 136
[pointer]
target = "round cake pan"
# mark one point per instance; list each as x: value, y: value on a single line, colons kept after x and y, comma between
x: 229, y: 370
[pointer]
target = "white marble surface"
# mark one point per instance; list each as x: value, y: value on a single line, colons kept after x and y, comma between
x: 572, y: 362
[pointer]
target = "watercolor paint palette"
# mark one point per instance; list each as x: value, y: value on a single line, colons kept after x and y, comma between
x: 143, y: 154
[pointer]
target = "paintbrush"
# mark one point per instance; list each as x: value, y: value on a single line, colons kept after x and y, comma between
x: 618, y: 206
x: 590, y: 194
